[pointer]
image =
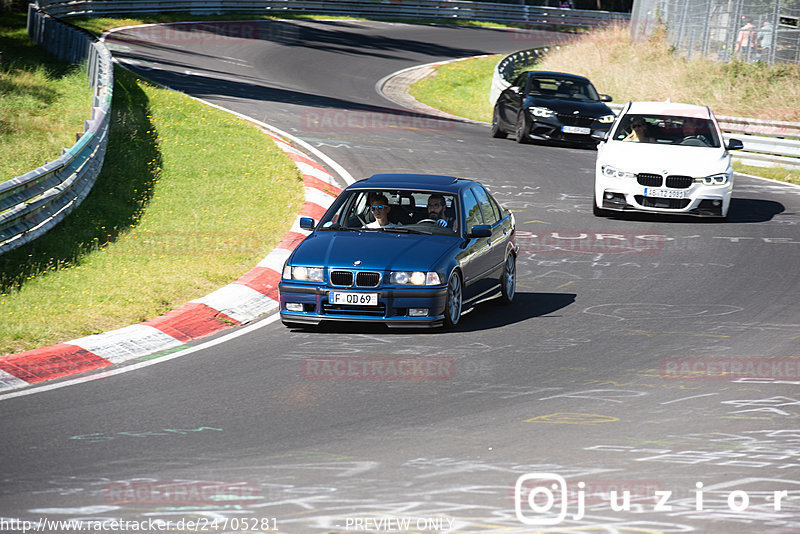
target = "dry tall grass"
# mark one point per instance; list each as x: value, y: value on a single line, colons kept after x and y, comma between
x: 648, y: 70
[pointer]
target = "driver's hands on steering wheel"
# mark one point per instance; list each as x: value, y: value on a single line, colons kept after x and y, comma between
x: 442, y: 223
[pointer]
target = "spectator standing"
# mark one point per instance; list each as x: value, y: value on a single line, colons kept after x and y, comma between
x: 765, y: 40
x: 746, y: 39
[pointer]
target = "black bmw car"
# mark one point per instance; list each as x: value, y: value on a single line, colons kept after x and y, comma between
x: 551, y: 106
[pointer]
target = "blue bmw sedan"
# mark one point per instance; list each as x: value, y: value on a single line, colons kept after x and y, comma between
x: 401, y: 249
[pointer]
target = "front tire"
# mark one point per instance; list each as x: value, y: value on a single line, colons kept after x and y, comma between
x: 497, y: 130
x: 508, y: 281
x: 455, y: 297
x: 521, y: 131
x: 598, y: 212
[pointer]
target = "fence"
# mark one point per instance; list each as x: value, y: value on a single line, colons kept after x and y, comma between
x: 766, y: 143
x: 33, y: 203
x: 749, y: 30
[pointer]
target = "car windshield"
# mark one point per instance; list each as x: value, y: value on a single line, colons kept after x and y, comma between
x: 557, y: 87
x: 400, y: 211
x: 667, y: 129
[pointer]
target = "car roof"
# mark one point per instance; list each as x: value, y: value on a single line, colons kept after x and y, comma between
x: 545, y: 73
x: 670, y: 108
x: 426, y: 182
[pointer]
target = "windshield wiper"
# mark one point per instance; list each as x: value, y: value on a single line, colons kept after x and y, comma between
x: 338, y: 228
x: 403, y: 230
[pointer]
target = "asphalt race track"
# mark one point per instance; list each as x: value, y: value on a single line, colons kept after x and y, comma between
x: 582, y: 378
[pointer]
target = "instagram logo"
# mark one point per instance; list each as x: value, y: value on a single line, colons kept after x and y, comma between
x: 541, y: 498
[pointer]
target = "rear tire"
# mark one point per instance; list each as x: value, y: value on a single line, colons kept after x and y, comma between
x: 508, y: 281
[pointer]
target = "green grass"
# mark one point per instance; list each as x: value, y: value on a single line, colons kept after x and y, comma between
x: 776, y: 173
x: 461, y: 88
x: 43, y: 102
x: 189, y: 199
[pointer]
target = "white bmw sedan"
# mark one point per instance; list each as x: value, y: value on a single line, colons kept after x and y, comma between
x: 664, y: 157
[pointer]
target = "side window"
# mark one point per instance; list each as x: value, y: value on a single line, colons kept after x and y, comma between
x: 472, y: 211
x: 490, y: 216
x: 521, y: 80
x: 496, y: 207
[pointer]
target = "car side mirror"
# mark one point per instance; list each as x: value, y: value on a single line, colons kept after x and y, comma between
x: 481, y: 230
x: 600, y: 135
x: 734, y: 144
x: 605, y: 98
x: 515, y: 89
x: 307, y: 223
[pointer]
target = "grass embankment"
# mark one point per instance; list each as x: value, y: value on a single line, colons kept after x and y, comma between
x: 43, y: 102
x: 188, y: 200
x: 644, y: 70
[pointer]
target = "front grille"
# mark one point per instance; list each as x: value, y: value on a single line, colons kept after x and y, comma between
x: 341, y: 278
x: 649, y: 180
x: 574, y: 120
x: 680, y: 182
x: 368, y: 279
x: 668, y: 203
x: 362, y: 278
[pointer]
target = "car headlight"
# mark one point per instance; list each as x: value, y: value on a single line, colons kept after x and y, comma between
x: 416, y: 278
x: 306, y: 274
x: 613, y: 172
x: 537, y: 111
x: 714, y: 179
x: 607, y: 119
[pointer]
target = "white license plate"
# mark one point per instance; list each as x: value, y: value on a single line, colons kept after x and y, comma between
x: 576, y: 130
x: 662, y: 193
x: 353, y: 299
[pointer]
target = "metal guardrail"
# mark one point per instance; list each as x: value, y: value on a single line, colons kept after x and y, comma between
x: 510, y: 13
x: 766, y: 143
x: 33, y: 203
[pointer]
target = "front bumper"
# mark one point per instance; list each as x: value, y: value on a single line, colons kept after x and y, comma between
x: 393, y: 305
x: 697, y: 200
x: 553, y: 130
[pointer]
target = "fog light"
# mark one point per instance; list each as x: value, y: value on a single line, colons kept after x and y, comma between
x: 609, y: 196
x: 294, y: 306
x: 717, y: 203
x: 417, y: 312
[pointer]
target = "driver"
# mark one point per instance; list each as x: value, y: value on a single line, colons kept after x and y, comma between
x: 436, y: 211
x: 689, y: 131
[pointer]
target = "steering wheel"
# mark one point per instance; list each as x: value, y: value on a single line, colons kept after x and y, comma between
x: 694, y: 140
x: 441, y: 223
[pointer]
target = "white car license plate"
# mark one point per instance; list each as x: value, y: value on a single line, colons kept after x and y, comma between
x: 576, y: 130
x: 662, y: 193
x: 353, y: 299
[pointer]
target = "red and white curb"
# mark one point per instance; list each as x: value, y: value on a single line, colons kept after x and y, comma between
x: 253, y: 295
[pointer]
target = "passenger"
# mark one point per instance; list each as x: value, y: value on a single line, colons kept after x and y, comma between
x: 380, y: 208
x: 639, y: 133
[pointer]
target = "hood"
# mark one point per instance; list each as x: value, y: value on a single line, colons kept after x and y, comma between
x: 566, y: 106
x: 376, y: 250
x: 658, y: 158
